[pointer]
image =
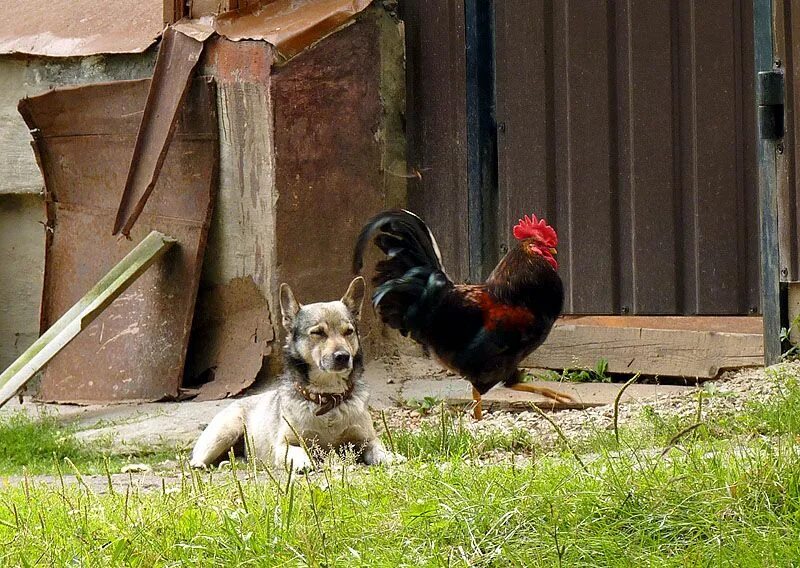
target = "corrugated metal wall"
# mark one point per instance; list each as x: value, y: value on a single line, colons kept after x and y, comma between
x: 630, y: 126
x: 436, y: 124
x: 787, y: 49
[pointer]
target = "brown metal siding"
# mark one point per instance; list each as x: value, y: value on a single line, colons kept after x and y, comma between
x: 436, y: 124
x: 787, y: 49
x: 629, y: 125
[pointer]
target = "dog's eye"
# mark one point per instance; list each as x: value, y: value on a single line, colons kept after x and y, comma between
x: 318, y: 332
x: 348, y: 331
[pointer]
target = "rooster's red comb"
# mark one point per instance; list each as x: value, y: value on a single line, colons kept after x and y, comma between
x: 533, y: 228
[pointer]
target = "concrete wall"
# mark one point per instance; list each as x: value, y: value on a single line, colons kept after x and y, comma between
x: 26, y: 76
x: 21, y: 273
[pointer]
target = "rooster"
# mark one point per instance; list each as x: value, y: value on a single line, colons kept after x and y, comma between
x: 479, y: 331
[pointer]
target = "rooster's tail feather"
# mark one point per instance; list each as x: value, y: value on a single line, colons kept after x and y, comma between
x: 403, y: 237
x: 410, y: 278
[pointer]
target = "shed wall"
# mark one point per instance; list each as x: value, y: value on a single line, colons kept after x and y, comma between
x: 436, y: 124
x: 630, y: 127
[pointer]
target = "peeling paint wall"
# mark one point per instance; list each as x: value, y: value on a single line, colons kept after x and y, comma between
x: 339, y: 153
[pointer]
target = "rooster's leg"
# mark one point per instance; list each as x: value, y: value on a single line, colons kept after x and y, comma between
x: 561, y: 397
x: 477, y: 412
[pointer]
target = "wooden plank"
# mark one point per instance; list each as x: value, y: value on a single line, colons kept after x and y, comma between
x: 793, y: 310
x: 68, y: 326
x: 728, y: 324
x: 662, y: 352
x: 173, y: 11
x: 785, y: 161
x: 768, y: 196
x: 241, y: 240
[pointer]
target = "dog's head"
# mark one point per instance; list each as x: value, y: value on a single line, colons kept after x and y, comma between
x: 325, y: 334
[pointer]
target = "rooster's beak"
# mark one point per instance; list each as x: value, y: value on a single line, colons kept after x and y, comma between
x: 553, y: 251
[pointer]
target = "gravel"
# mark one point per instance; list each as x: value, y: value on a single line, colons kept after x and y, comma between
x: 729, y: 394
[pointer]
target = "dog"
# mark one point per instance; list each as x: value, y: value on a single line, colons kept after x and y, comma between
x: 320, y: 400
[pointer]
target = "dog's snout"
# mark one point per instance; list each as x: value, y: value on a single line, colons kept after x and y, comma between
x: 341, y: 359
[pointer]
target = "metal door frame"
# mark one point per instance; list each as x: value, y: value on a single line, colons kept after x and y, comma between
x: 482, y: 184
x: 763, y: 49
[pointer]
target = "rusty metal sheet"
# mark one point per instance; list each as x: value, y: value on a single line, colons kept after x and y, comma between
x: 290, y: 25
x: 786, y: 24
x: 83, y: 137
x: 232, y: 337
x: 178, y: 55
x: 327, y: 111
x: 73, y: 28
x: 199, y: 28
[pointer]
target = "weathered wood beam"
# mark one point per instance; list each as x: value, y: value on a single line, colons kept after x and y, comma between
x: 681, y: 347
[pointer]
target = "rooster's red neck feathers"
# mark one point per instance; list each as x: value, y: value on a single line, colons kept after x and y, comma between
x: 538, y: 238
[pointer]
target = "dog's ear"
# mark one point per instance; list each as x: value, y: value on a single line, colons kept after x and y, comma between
x: 289, y: 307
x: 354, y: 297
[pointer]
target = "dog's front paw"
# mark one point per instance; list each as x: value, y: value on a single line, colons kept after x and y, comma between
x: 297, y: 459
x: 195, y: 463
x: 302, y: 465
x: 376, y: 455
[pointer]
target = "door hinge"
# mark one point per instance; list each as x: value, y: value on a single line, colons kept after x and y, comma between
x: 770, y: 100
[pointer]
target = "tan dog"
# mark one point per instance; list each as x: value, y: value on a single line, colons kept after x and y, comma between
x: 320, y: 401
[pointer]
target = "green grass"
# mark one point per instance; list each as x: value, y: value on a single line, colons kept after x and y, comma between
x: 44, y: 445
x: 597, y: 375
x: 726, y: 494
x: 705, y: 506
x: 448, y: 438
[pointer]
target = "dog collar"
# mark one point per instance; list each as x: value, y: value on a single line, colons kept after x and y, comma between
x: 326, y: 401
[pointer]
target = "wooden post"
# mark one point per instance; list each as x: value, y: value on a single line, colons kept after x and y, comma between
x: 767, y: 191
x: 481, y: 138
x: 173, y: 11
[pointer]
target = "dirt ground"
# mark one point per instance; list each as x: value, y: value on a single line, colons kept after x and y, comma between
x: 177, y: 424
x: 392, y: 383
